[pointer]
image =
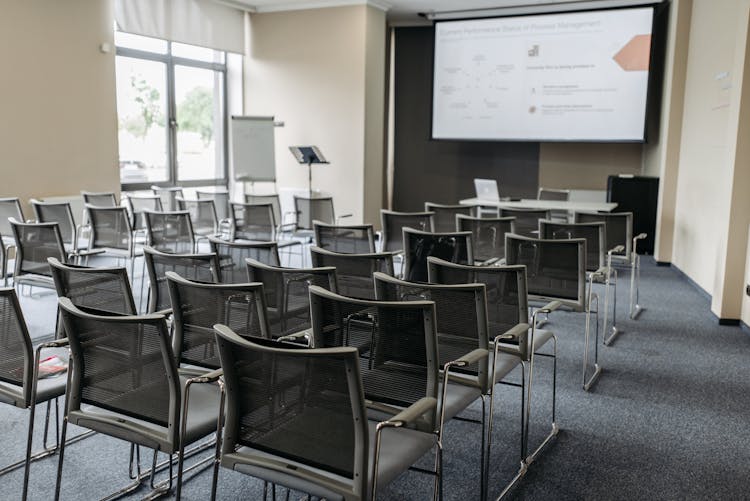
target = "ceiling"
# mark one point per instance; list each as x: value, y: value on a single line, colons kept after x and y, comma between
x: 398, y: 10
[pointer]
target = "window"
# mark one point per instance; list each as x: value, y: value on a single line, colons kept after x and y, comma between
x: 172, y: 113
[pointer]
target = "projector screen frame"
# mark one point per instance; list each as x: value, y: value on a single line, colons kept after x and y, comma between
x: 657, y: 6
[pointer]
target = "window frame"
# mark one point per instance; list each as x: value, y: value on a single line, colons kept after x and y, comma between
x: 172, y: 169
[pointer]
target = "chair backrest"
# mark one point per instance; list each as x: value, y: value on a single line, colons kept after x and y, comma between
x: 253, y: 222
x: 618, y: 229
x: 170, y: 231
x: 594, y: 233
x: 202, y: 215
x: 16, y: 352
x: 507, y: 299
x: 272, y: 199
x: 123, y: 364
x: 287, y: 293
x: 397, y: 340
x: 35, y: 242
x: 232, y: 256
x: 555, y: 269
x: 527, y: 220
x: 392, y: 224
x: 553, y: 194
x: 445, y: 215
x: 103, y: 288
x: 350, y: 239
x: 313, y: 209
x: 461, y: 316
x: 9, y: 207
x: 198, y: 306
x: 57, y: 212
x: 110, y: 227
x: 200, y: 267
x: 220, y: 199
x: 100, y: 199
x: 419, y: 245
x: 312, y: 399
x: 168, y: 195
x: 354, y: 271
x: 487, y: 234
x: 138, y: 204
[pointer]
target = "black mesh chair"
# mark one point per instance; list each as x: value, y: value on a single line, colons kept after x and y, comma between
x: 221, y: 202
x: 168, y: 195
x: 60, y: 213
x: 623, y: 246
x: 112, y: 232
x: 138, y: 204
x: 170, y: 231
x: 198, y: 306
x: 103, y: 288
x: 445, y: 215
x: 202, y: 215
x: 256, y: 223
x: 398, y: 361
x: 203, y: 267
x: 20, y: 382
x: 392, y: 224
x: 354, y: 271
x: 9, y: 207
x: 527, y: 220
x: 313, y: 209
x: 35, y: 242
x: 487, y: 236
x: 513, y: 338
x: 599, y: 267
x: 557, y: 195
x: 99, y: 199
x: 556, y: 270
x: 419, y: 245
x: 232, y: 256
x: 297, y: 417
x: 462, y: 338
x: 123, y: 382
x: 287, y: 297
x: 349, y: 239
x: 282, y: 226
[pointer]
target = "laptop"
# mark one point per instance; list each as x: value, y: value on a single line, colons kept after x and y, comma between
x: 487, y: 189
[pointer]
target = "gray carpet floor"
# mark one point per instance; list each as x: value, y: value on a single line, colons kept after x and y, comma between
x: 668, y: 418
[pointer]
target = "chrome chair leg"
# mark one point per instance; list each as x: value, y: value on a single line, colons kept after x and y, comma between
x: 587, y: 384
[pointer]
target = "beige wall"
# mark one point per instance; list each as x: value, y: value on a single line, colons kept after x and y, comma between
x: 321, y: 72
x: 586, y: 166
x: 705, y: 175
x: 662, y: 158
x: 58, y: 133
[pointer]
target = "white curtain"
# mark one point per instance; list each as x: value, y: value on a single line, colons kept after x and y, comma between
x: 197, y: 22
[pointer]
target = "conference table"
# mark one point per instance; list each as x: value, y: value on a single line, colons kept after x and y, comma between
x: 528, y: 203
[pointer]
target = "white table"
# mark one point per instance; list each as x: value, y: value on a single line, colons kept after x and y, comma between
x: 527, y: 203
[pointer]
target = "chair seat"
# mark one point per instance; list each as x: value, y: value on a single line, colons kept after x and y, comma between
x: 400, y: 448
x: 203, y: 412
x: 47, y: 388
x: 458, y: 397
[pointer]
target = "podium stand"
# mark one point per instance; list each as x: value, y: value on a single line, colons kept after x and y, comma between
x: 308, y: 155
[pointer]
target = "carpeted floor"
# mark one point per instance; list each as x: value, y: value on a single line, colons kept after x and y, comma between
x: 668, y: 418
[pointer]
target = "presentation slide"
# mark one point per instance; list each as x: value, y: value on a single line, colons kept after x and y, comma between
x: 555, y: 77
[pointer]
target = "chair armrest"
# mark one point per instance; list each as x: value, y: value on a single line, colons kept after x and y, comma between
x: 297, y: 336
x: 342, y: 216
x: 410, y: 414
x: 616, y: 248
x: 640, y: 236
x: 57, y: 343
x: 549, y: 307
x: 488, y: 262
x: 166, y: 312
x: 511, y: 334
x: 208, y: 377
x: 467, y: 359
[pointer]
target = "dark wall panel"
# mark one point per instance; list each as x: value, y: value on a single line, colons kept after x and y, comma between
x: 444, y: 171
